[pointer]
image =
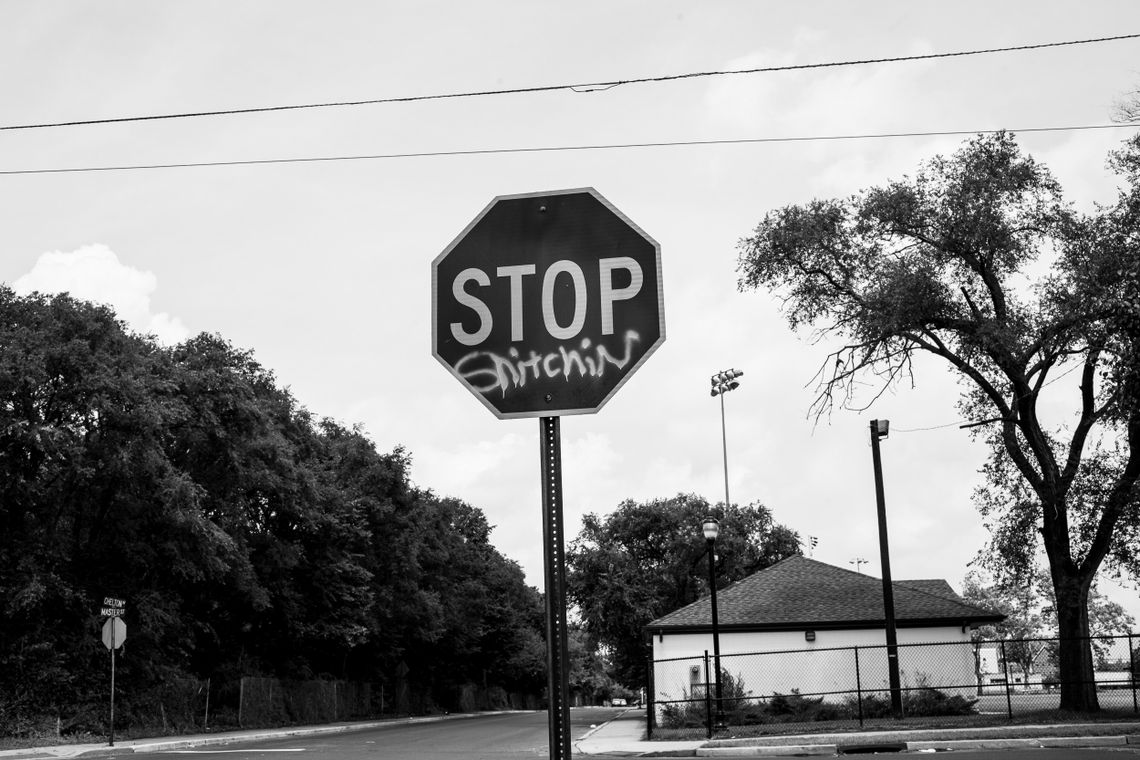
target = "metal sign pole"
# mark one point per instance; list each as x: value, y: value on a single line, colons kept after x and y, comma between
x: 112, y: 743
x: 557, y: 650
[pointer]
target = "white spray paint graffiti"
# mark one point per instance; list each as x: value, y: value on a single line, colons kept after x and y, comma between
x: 487, y: 371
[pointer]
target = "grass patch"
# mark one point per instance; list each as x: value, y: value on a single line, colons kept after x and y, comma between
x: 29, y: 741
x: 1027, y: 725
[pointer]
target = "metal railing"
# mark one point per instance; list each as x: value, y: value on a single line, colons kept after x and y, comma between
x: 941, y: 683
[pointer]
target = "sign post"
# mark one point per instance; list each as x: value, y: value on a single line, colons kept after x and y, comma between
x: 114, y: 634
x: 544, y: 306
x: 554, y: 556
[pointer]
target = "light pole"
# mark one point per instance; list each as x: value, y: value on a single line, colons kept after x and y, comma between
x: 722, y: 383
x: 711, y: 528
x: 879, y: 429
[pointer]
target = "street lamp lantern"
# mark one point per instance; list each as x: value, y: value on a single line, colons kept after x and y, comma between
x: 711, y: 528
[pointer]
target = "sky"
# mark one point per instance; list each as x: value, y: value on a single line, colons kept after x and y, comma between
x: 323, y: 268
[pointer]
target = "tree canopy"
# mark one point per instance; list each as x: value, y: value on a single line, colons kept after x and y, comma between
x: 979, y: 261
x: 644, y: 560
x: 247, y: 537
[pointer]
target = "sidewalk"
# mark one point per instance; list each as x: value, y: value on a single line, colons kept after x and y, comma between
x: 623, y: 736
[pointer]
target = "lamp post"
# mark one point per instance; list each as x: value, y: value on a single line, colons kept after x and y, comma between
x: 711, y: 528
x: 879, y: 429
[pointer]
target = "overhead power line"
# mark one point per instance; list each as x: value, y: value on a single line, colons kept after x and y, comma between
x: 580, y: 87
x: 963, y: 423
x: 552, y: 149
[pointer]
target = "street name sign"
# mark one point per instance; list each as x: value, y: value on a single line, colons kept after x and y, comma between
x: 547, y: 303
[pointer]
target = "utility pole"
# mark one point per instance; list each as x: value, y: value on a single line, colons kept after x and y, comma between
x: 879, y: 429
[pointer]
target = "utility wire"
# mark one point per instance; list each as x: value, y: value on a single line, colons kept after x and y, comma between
x: 553, y: 149
x: 969, y: 424
x: 583, y: 87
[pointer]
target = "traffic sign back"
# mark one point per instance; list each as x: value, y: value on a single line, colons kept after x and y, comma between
x: 114, y: 632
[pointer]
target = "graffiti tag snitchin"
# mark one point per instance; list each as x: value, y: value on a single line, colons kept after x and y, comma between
x: 487, y: 371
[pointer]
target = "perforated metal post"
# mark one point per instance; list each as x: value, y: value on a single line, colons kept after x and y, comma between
x: 557, y: 652
x: 113, y: 642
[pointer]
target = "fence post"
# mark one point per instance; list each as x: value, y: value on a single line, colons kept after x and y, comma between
x: 650, y: 698
x: 241, y: 698
x: 206, y: 719
x: 859, y: 687
x: 1132, y: 671
x: 1005, y: 667
x: 708, y: 699
x: 978, y: 666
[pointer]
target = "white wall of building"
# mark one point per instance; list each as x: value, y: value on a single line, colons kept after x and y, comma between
x: 832, y: 665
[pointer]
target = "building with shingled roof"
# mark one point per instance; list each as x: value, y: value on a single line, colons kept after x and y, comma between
x: 819, y: 629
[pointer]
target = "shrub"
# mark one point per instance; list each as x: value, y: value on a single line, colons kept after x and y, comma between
x: 924, y: 702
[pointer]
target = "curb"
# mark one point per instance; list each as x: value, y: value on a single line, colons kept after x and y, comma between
x: 1042, y: 742
x: 802, y: 750
x: 788, y: 750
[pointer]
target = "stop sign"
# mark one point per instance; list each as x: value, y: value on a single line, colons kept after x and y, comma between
x: 546, y: 303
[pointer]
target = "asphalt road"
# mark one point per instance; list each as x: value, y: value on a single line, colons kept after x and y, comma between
x: 483, y: 737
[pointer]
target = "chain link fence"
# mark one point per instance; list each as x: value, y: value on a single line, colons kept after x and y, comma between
x: 941, y: 683
x: 181, y: 706
x: 272, y: 701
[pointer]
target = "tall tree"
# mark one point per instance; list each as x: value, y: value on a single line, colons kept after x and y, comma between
x: 938, y: 264
x: 247, y: 538
x: 646, y: 559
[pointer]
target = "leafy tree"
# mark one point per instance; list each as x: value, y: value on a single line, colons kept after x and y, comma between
x: 644, y: 560
x: 590, y: 668
x: 1128, y: 109
x: 939, y: 264
x: 93, y: 505
x: 247, y: 538
x: 1025, y: 624
x: 1030, y: 627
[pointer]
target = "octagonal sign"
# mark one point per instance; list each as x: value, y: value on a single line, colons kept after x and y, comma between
x: 547, y: 303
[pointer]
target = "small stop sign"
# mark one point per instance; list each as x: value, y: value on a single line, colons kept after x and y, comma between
x: 547, y: 303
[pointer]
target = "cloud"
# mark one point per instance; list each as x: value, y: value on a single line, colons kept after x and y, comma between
x: 94, y: 273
